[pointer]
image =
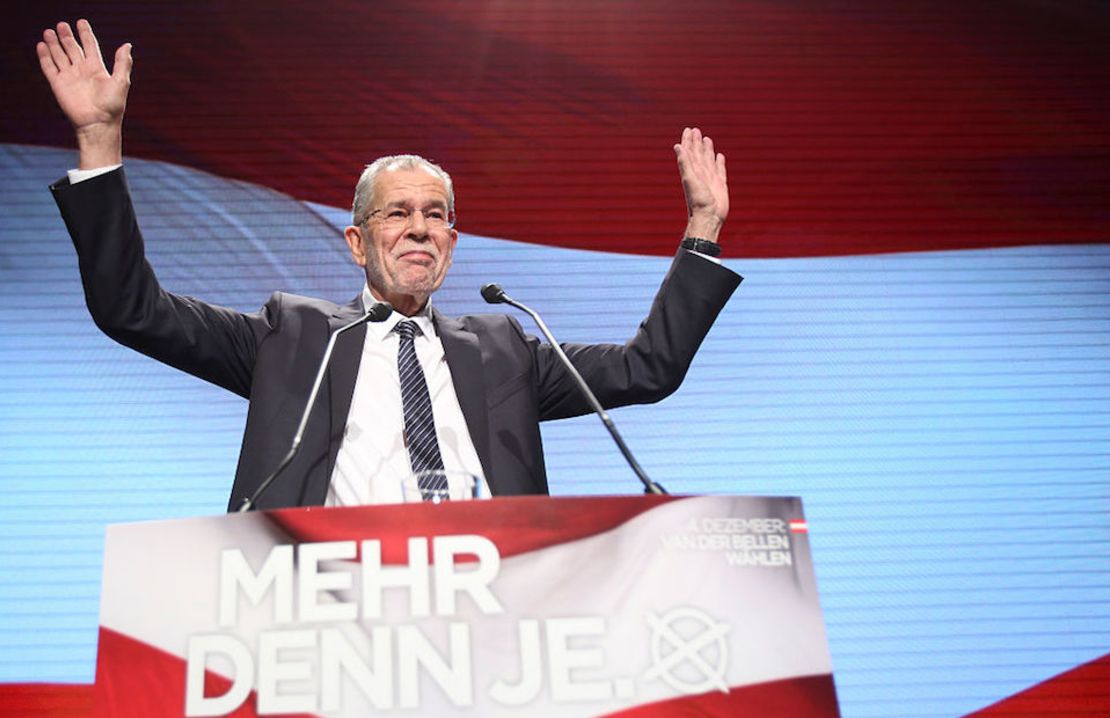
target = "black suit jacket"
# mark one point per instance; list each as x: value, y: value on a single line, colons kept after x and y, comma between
x: 507, y: 381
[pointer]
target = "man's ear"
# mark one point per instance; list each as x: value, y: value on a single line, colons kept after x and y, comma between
x: 454, y: 241
x: 353, y: 235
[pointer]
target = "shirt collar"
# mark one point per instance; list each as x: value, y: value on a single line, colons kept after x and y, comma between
x: 380, y: 330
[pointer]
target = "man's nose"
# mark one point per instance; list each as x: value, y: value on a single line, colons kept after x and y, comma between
x: 418, y: 228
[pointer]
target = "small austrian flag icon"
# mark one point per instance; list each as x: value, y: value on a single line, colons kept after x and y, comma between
x: 798, y: 526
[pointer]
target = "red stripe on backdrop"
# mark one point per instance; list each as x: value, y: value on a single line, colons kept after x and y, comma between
x: 45, y: 700
x: 872, y: 126
x: 152, y: 673
x: 136, y: 680
x: 811, y: 696
x: 516, y: 524
x: 133, y: 680
x: 1082, y: 691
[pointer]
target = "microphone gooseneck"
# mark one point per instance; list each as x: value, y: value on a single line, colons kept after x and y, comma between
x: 377, y: 312
x: 494, y: 294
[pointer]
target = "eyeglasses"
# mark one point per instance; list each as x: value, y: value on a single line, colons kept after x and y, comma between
x: 398, y: 217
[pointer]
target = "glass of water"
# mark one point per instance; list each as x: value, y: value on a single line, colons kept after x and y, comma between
x: 438, y: 485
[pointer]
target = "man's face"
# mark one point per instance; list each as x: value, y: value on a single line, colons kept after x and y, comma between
x: 405, y: 261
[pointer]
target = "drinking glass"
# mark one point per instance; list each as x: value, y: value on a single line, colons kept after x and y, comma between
x: 439, y: 486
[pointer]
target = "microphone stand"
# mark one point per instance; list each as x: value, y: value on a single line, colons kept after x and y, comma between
x: 377, y: 313
x: 494, y: 294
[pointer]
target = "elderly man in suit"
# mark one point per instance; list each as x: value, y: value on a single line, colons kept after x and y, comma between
x: 419, y: 390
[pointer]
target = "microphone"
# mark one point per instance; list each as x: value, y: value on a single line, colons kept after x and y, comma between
x: 378, y: 312
x: 494, y: 294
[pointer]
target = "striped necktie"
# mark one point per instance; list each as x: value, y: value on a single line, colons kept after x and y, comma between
x: 420, y: 426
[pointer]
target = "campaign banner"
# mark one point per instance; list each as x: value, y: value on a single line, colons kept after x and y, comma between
x: 624, y: 606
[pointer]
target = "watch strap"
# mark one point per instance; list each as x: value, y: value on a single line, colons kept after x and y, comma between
x: 701, y: 246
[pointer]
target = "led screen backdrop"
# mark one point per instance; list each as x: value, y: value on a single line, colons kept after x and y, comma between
x: 920, y: 349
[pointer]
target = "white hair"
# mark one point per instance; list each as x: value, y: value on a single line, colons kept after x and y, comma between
x: 364, y: 190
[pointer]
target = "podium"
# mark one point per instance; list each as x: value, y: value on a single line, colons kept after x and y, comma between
x: 527, y: 606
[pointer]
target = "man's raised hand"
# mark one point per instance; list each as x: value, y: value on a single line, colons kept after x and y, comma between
x: 705, y: 182
x: 92, y: 99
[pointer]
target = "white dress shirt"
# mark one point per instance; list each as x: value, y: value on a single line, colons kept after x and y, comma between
x: 76, y: 176
x: 373, y: 462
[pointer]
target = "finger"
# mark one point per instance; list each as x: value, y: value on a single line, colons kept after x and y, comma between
x: 69, y: 43
x: 721, y: 169
x: 46, y: 61
x: 121, y: 66
x: 57, y: 54
x: 697, y: 149
x: 88, y: 41
x: 682, y: 155
x: 708, y: 145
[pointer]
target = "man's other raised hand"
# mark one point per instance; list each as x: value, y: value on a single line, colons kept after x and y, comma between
x: 92, y: 99
x: 705, y: 183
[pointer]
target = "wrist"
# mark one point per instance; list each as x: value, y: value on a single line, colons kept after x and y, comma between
x: 99, y: 145
x: 707, y: 228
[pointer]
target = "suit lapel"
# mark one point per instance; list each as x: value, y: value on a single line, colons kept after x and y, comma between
x: 341, y: 376
x: 464, y: 358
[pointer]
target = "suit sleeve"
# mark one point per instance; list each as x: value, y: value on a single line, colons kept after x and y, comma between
x: 652, y: 365
x: 127, y: 303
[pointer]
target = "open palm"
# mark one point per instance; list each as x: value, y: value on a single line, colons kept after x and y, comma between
x: 88, y: 95
x: 704, y: 177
